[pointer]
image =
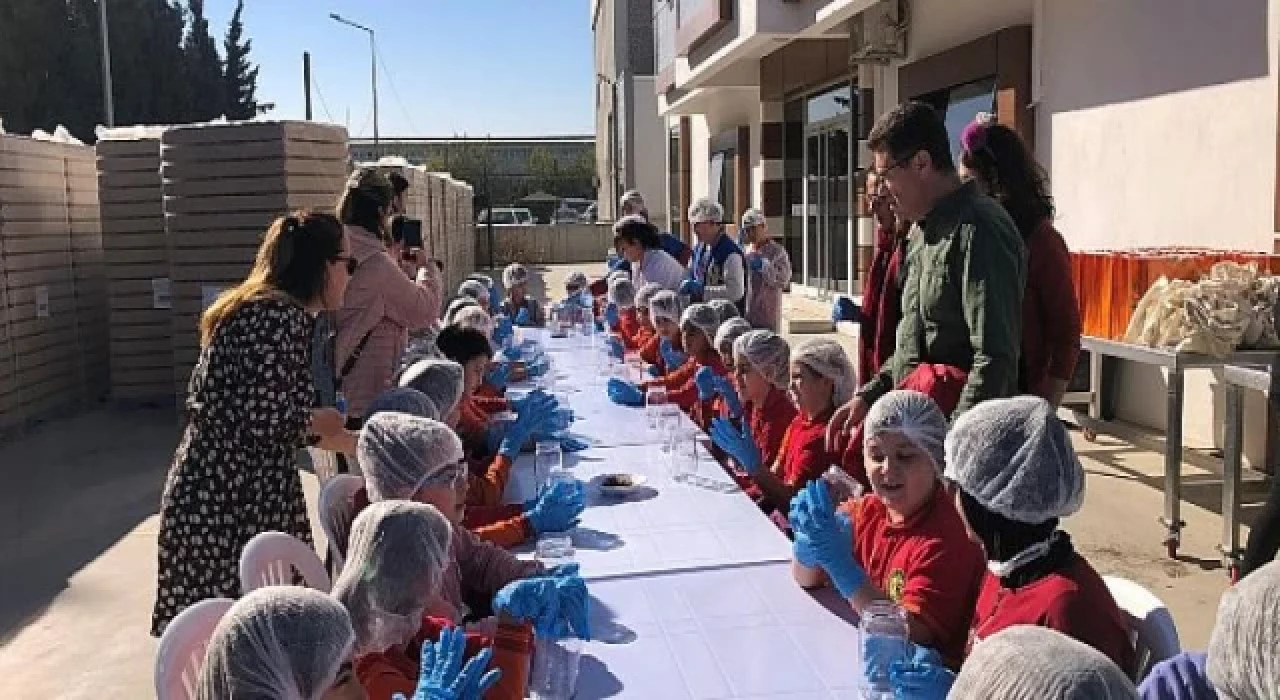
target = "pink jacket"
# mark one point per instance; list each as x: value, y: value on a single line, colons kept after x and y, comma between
x: 477, y: 572
x: 382, y: 299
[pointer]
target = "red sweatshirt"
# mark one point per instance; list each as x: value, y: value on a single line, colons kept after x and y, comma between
x: 651, y: 350
x: 681, y: 389
x: 387, y: 673
x: 1050, y: 313
x: 881, y: 303
x: 504, y: 525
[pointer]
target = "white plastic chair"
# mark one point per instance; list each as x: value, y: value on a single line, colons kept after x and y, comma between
x: 271, y: 558
x: 337, y: 511
x: 324, y: 463
x: 1151, y: 625
x: 182, y: 648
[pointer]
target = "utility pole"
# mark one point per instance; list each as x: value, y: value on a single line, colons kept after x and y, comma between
x: 488, y: 200
x: 108, y: 102
x: 306, y: 81
x: 373, y: 64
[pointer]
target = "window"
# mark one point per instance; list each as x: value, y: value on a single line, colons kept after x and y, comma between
x: 959, y: 105
x: 674, y: 215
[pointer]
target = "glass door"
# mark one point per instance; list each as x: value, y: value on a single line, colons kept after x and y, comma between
x: 827, y: 184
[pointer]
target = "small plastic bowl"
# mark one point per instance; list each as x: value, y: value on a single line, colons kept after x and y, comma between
x: 621, y: 484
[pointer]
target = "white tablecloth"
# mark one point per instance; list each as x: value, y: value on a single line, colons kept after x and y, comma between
x: 669, y: 525
x: 727, y: 633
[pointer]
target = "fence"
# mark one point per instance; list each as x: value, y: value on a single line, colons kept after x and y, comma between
x: 544, y: 245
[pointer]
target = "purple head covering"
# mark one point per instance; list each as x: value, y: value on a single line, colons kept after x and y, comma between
x: 974, y: 136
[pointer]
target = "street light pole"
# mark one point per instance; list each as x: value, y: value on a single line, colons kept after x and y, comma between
x: 373, y: 62
x: 108, y: 102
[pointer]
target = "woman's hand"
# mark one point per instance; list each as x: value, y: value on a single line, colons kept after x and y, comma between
x: 843, y: 422
x: 327, y: 422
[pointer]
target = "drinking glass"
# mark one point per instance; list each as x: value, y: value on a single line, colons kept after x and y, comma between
x: 555, y: 668
x: 655, y: 399
x: 554, y: 549
x: 635, y: 367
x: 884, y: 637
x: 547, y: 458
x: 684, y: 453
x: 841, y: 485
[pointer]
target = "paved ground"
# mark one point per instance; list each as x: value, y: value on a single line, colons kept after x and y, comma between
x: 77, y: 558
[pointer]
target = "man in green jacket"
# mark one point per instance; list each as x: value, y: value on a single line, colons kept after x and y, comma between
x: 966, y: 269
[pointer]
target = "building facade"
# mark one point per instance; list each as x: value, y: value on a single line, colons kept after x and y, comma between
x: 629, y: 128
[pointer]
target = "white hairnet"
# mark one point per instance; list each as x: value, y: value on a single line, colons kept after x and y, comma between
x: 622, y: 292
x: 277, y: 642
x: 486, y: 280
x: 706, y: 210
x: 1014, y: 457
x: 752, y: 217
x: 632, y: 202
x: 703, y: 317
x: 475, y: 318
x: 474, y: 289
x: 455, y: 306
x: 1243, y: 661
x: 913, y: 415
x: 396, y: 556
x: 440, y: 380
x: 403, y: 399
x: 515, y: 274
x: 827, y: 358
x: 725, y: 309
x: 1024, y: 662
x: 645, y: 294
x: 728, y: 332
x: 401, y: 454
x: 575, y: 280
x: 665, y: 304
x: 617, y: 275
x: 768, y: 352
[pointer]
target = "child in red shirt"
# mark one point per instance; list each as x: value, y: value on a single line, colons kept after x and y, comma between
x: 1016, y: 475
x: 907, y: 539
x: 698, y: 327
x: 644, y: 322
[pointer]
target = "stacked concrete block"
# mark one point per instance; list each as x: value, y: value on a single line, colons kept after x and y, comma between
x: 463, y: 240
x: 223, y: 186
x: 137, y: 255
x: 89, y: 271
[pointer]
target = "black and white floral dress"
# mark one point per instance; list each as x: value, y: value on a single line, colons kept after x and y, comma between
x: 234, y: 474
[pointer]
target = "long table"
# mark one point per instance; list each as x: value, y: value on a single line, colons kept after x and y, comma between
x: 692, y: 595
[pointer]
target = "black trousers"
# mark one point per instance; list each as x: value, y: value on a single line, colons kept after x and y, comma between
x: 1264, y: 538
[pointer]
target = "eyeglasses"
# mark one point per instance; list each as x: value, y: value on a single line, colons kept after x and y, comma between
x: 352, y: 263
x: 883, y: 172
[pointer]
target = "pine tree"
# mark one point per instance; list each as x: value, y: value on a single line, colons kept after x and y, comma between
x: 240, y: 77
x: 204, y: 67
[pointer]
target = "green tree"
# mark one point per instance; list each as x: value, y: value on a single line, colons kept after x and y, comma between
x: 240, y: 77
x: 150, y: 85
x: 544, y: 171
x: 204, y: 67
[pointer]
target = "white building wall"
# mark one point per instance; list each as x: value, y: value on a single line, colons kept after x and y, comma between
x: 649, y: 150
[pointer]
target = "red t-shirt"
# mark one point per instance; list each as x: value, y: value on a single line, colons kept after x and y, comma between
x: 928, y: 565
x: 804, y: 451
x: 1074, y: 601
x: 769, y: 422
x: 628, y: 323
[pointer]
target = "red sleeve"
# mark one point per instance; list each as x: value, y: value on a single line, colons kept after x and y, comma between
x: 509, y: 533
x: 486, y: 489
x: 487, y: 396
x: 1059, y: 310
x: 477, y: 516
x: 650, y: 352
x: 472, y: 420
x: 941, y: 589
x: 383, y: 677
x: 806, y: 461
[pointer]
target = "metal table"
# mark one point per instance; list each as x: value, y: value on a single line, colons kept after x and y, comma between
x: 1176, y: 364
x: 1238, y: 379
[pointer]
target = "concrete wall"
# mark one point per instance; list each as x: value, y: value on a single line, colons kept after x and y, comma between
x: 544, y: 245
x: 649, y: 150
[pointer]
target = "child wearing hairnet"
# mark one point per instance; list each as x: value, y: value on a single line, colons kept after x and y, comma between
x: 762, y: 373
x: 399, y: 551
x: 644, y: 329
x: 1027, y: 661
x: 821, y: 379
x: 724, y: 392
x: 1016, y: 474
x: 903, y: 542
x: 665, y: 351
x: 522, y: 309
x: 698, y: 325
x: 620, y: 317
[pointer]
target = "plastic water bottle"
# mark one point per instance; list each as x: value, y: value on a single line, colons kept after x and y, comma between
x: 841, y: 485
x: 884, y: 638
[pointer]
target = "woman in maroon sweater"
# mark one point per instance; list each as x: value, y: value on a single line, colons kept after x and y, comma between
x: 882, y: 294
x: 996, y: 157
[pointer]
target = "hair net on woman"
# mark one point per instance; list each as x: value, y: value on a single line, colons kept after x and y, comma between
x: 575, y: 280
x: 456, y: 306
x: 827, y: 358
x: 725, y: 308
x: 665, y: 304
x: 622, y: 292
x: 486, y: 280
x: 403, y: 399
x: 475, y: 318
x: 768, y: 352
x: 440, y: 380
x: 1023, y: 662
x: 633, y: 202
x: 396, y: 557
x: 1243, y: 661
x: 646, y: 293
x: 474, y: 289
x: 617, y: 275
x: 277, y: 642
x: 706, y: 210
x: 728, y: 332
x: 752, y: 217
x: 703, y: 317
x: 1015, y: 458
x: 401, y: 454
x: 515, y: 274
x: 913, y: 415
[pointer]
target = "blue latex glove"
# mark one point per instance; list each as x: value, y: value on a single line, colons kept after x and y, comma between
x: 561, y: 419
x: 725, y: 388
x: 563, y: 571
x: 616, y: 348
x: 925, y: 677
x: 569, y: 443
x: 618, y: 263
x: 442, y: 675
x: 495, y: 299
x: 755, y: 261
x: 538, y: 367
x: 498, y: 374
x: 522, y: 317
x: 584, y: 299
x: 523, y: 403
x: 739, y: 444
x: 845, y: 309
x: 611, y: 315
x: 692, y: 287
x: 653, y: 371
x: 705, y: 380
x: 538, y: 411
x: 557, y: 510
x: 830, y: 534
x: 625, y: 393
x: 671, y: 357
x: 557, y: 606
x: 502, y: 330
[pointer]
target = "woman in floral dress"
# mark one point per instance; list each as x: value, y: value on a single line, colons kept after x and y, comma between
x: 249, y: 407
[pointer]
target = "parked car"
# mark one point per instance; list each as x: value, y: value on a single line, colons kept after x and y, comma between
x: 506, y: 216
x: 591, y: 214
x: 565, y: 215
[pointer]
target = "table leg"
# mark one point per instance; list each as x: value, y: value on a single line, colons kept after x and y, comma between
x: 1233, y: 437
x: 1172, y: 519
x: 1095, y: 393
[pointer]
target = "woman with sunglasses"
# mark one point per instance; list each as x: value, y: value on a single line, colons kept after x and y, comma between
x: 249, y: 408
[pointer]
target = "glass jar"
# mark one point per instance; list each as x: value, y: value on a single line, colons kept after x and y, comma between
x: 555, y: 668
x: 884, y: 641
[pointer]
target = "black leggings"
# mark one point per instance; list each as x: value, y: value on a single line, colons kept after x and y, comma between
x: 1264, y: 537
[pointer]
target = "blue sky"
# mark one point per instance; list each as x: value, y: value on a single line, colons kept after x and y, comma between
x: 503, y: 67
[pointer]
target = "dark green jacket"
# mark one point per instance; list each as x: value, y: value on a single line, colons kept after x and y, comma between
x: 962, y: 299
